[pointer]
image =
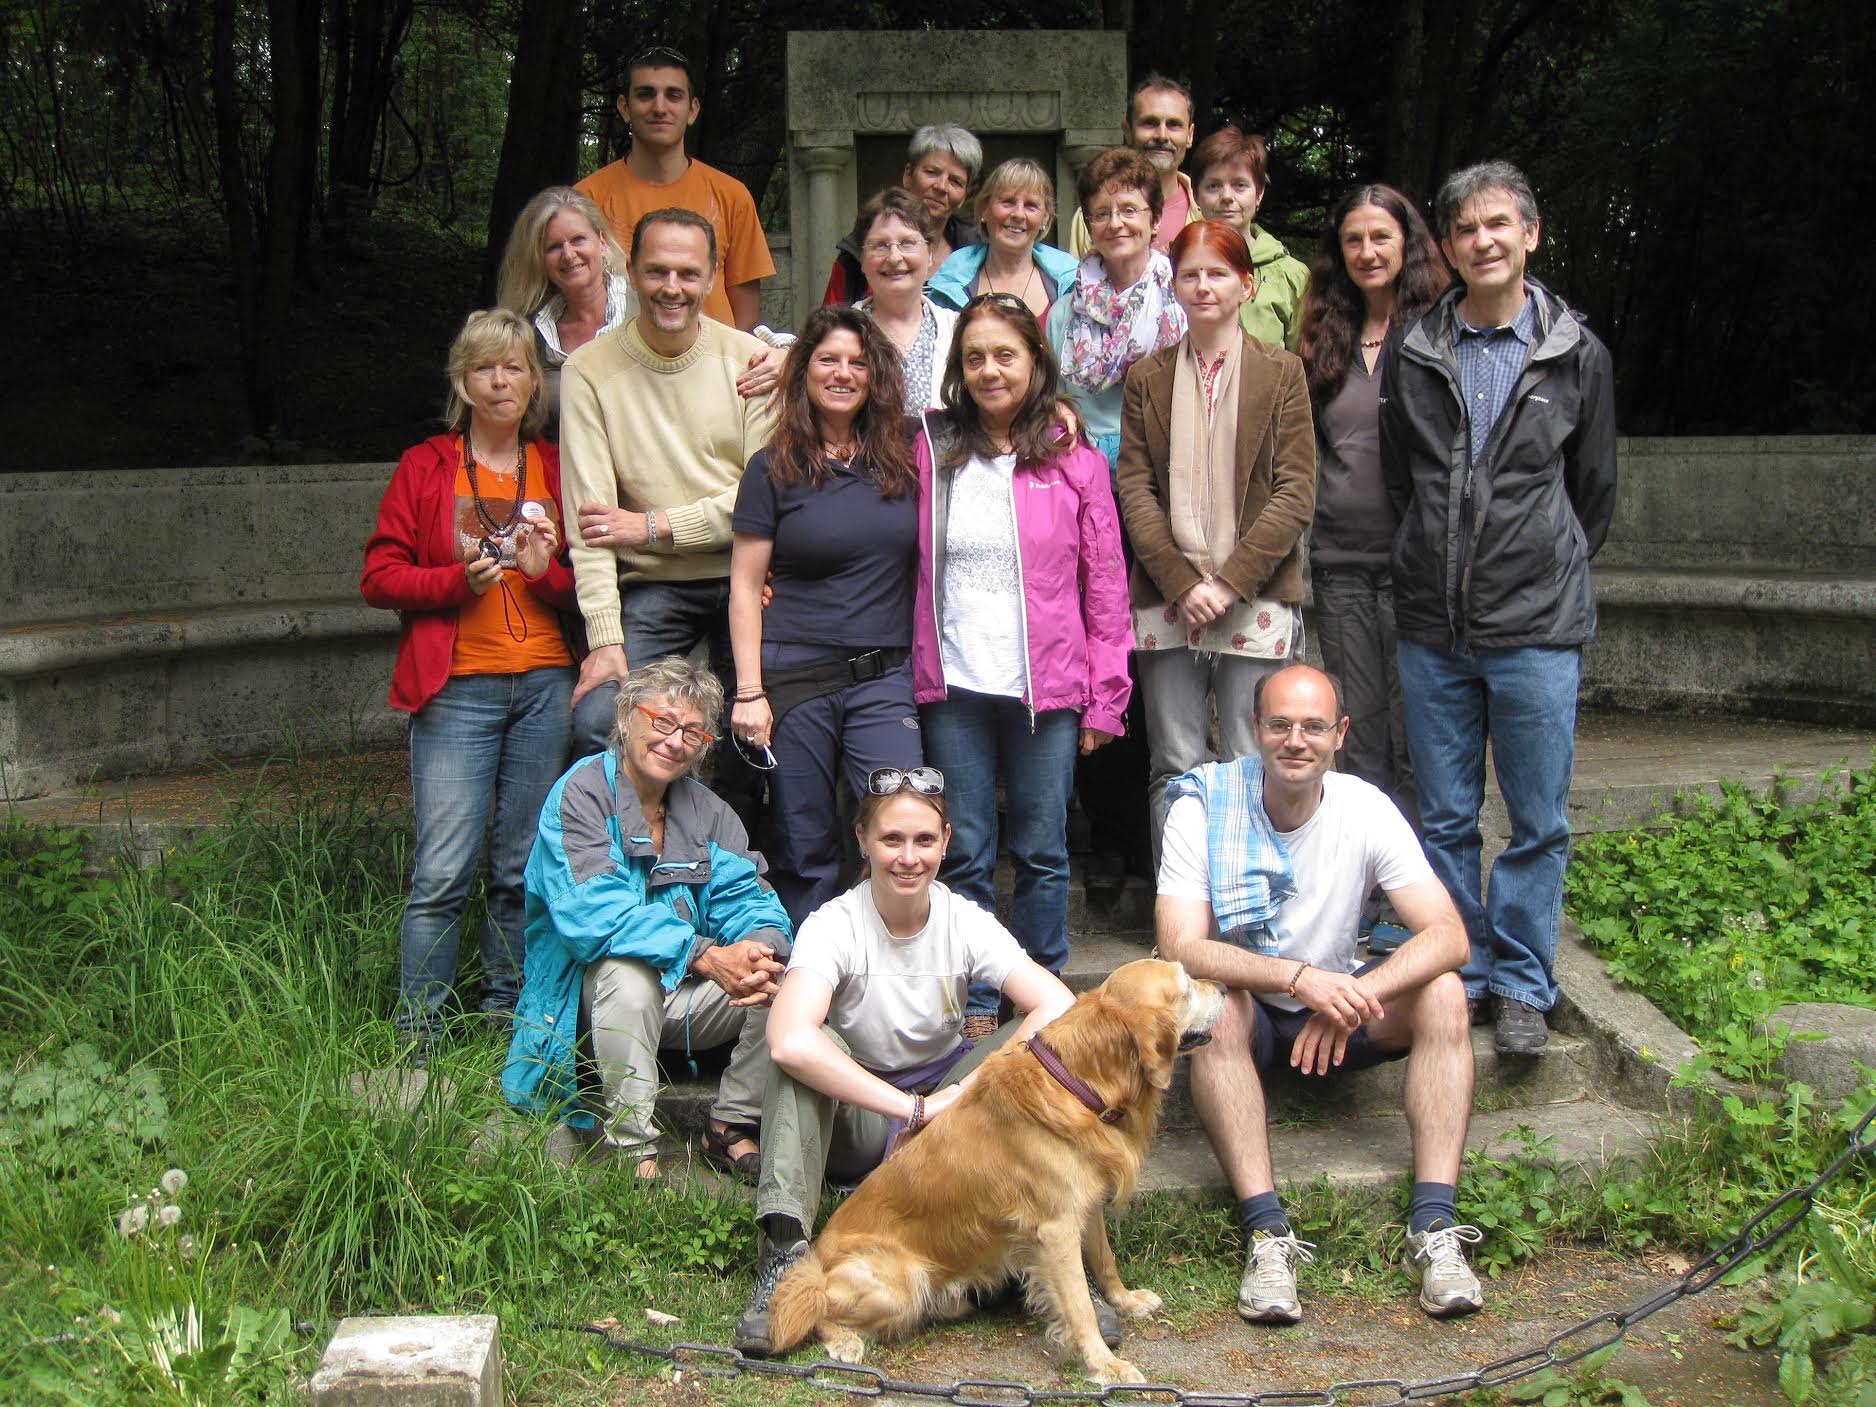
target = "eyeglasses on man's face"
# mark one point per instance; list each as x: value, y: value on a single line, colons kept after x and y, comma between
x: 1315, y: 729
x: 665, y: 724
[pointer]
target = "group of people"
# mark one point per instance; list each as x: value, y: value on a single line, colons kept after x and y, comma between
x: 933, y: 545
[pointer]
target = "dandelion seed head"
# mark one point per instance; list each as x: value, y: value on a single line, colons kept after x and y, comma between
x: 174, y: 1181
x: 168, y: 1214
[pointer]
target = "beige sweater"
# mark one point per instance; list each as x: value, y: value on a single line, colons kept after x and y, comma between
x: 641, y: 431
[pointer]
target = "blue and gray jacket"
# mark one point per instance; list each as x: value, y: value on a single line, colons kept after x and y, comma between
x: 597, y: 889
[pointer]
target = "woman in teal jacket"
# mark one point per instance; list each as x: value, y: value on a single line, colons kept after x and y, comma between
x: 649, y: 927
x: 1016, y: 204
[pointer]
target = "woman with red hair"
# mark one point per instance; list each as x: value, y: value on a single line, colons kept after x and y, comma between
x: 1231, y: 177
x: 1217, y: 478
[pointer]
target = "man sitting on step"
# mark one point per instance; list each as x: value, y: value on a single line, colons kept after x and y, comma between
x: 1264, y: 867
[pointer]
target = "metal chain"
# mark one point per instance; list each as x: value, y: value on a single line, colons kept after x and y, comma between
x: 1560, y: 1350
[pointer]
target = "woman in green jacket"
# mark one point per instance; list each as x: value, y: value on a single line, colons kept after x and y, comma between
x: 1231, y: 177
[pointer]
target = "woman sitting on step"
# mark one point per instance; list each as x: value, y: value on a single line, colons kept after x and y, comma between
x: 649, y: 928
x: 867, y: 1031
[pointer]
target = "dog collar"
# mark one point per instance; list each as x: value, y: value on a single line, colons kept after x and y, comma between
x: 1073, y: 1083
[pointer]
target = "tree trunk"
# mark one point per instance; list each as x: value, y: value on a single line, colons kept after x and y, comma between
x: 365, y: 36
x: 540, y: 143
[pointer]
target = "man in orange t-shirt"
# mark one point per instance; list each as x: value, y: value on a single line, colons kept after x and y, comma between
x: 659, y: 105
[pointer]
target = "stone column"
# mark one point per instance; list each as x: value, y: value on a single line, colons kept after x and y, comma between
x: 823, y: 157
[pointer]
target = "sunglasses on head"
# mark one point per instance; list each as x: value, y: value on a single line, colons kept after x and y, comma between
x: 659, y: 56
x: 1009, y: 302
x: 926, y: 781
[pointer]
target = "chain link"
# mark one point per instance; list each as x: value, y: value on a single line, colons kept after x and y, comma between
x: 1573, y: 1344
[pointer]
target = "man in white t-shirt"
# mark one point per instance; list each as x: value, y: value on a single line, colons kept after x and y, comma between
x: 1306, y: 998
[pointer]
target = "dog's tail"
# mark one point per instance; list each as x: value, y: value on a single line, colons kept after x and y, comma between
x: 800, y: 1303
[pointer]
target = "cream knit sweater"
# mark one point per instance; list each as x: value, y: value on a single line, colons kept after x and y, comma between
x: 641, y: 431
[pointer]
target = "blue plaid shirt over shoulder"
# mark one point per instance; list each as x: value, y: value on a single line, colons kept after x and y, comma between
x: 1491, y: 359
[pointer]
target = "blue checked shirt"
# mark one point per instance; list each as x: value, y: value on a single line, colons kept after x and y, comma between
x: 1491, y: 359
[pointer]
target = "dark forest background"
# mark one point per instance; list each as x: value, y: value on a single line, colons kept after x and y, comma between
x: 247, y: 229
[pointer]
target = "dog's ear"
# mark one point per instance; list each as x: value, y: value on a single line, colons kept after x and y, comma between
x: 1159, y: 1048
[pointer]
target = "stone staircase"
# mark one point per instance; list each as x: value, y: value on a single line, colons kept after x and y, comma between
x: 1349, y: 1129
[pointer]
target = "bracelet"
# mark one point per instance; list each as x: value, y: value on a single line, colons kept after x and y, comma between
x: 918, y: 1113
x: 750, y: 696
x: 651, y: 527
x: 1297, y: 976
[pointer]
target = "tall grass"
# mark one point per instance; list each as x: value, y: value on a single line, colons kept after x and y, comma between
x: 251, y: 976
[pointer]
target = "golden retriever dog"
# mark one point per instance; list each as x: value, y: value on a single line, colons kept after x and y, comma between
x: 1012, y: 1180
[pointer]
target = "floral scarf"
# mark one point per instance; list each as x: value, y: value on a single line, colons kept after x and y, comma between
x: 1109, y: 329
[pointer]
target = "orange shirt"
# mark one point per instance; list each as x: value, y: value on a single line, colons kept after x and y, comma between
x: 507, y: 629
x: 742, y: 249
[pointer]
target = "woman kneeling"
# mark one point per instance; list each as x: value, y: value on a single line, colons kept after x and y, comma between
x: 649, y: 928
x: 866, y: 1035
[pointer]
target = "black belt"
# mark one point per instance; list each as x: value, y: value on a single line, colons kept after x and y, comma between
x: 796, y: 685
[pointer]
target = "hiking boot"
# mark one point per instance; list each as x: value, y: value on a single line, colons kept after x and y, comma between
x: 1267, y: 1294
x: 1106, y: 1317
x: 1437, y: 1260
x: 1521, y: 1029
x: 752, y: 1326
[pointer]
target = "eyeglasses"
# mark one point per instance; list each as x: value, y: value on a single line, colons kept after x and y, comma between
x: 758, y: 755
x: 1313, y: 728
x: 665, y: 724
x: 1108, y: 214
x: 885, y: 248
x: 926, y: 781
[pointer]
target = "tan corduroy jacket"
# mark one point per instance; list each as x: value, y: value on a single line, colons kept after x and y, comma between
x: 1276, y: 477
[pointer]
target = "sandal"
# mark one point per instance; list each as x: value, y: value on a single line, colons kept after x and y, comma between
x: 714, y: 1149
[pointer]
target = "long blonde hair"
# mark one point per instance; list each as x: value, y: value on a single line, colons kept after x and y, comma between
x: 523, y: 286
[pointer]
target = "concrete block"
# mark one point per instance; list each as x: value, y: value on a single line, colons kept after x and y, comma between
x: 429, y: 1360
x: 1846, y: 1038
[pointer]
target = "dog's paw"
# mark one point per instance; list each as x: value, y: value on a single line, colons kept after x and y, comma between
x: 1115, y: 1370
x: 1136, y: 1304
x: 843, y: 1345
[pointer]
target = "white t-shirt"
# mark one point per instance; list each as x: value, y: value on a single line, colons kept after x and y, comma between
x: 899, y: 1002
x: 1356, y: 840
x: 981, y: 636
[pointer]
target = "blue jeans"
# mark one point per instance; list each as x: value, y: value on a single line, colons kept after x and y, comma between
x: 657, y: 619
x: 1524, y: 701
x: 856, y: 729
x: 499, y: 738
x: 972, y: 738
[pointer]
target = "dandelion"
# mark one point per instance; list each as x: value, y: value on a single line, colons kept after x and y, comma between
x: 133, y: 1219
x: 187, y: 1246
x: 174, y: 1181
x: 168, y: 1214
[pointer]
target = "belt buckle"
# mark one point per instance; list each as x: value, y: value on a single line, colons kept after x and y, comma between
x: 865, y: 667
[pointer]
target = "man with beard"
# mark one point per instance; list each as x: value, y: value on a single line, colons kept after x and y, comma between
x: 654, y: 438
x: 1160, y: 127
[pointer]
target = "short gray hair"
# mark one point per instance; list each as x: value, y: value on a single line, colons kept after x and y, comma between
x: 1473, y: 181
x: 679, y: 683
x: 953, y: 141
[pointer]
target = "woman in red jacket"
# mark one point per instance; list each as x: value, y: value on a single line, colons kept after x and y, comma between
x: 467, y: 551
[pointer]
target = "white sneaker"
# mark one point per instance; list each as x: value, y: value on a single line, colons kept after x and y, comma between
x: 1437, y: 1260
x: 1267, y: 1293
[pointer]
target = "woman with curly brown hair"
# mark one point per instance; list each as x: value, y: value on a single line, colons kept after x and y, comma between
x: 1377, y: 270
x: 830, y: 509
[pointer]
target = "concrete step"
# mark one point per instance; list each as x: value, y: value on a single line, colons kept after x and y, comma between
x: 1562, y: 1073
x: 1373, y: 1153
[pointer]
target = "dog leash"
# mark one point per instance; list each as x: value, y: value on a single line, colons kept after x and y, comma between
x: 1073, y: 1083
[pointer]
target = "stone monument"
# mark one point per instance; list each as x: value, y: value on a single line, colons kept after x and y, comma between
x: 855, y: 97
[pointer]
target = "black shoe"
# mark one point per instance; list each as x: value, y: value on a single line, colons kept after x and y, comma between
x: 1106, y: 1317
x: 752, y: 1326
x: 1521, y: 1028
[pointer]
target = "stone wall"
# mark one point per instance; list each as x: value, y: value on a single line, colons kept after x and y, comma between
x: 159, y: 619
x: 1740, y: 577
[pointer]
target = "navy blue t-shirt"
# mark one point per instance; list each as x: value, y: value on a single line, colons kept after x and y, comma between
x: 846, y: 560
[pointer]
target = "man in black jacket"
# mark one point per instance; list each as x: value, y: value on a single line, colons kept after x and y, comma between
x: 1498, y: 444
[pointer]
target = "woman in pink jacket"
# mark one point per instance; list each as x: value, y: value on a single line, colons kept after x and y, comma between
x: 1021, y: 632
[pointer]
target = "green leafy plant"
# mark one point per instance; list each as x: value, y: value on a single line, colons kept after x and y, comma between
x: 1519, y: 1200
x: 77, y: 1110
x: 1582, y: 1384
